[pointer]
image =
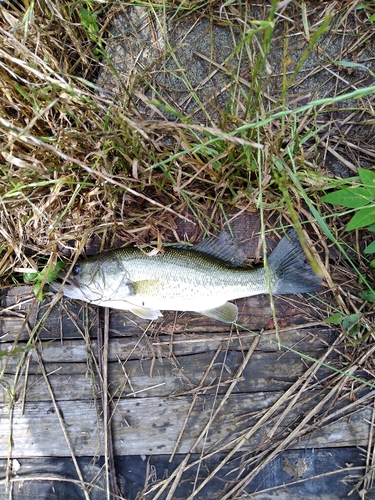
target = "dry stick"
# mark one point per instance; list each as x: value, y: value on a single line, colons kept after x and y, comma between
x: 220, y: 337
x: 103, y: 387
x: 286, y: 442
x: 23, y: 399
x: 212, y: 416
x: 315, y: 367
x: 369, y: 475
x: 186, y: 459
x: 370, y: 459
x: 111, y: 478
x: 62, y: 424
x: 309, y: 373
x: 310, y: 478
x: 111, y: 452
x: 19, y: 334
x: 177, y: 473
x: 56, y: 478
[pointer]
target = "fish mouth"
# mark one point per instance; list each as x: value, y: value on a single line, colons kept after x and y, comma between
x: 73, y: 290
x: 69, y: 290
x: 61, y: 281
x: 63, y: 285
x: 68, y: 286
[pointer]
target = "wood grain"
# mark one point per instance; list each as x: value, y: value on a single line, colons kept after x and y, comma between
x: 151, y: 426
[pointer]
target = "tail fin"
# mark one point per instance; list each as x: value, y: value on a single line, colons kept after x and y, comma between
x: 289, y: 268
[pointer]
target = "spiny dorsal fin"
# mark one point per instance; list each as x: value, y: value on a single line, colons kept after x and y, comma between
x: 222, y: 247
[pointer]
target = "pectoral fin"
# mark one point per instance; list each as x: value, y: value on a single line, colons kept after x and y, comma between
x: 147, y: 287
x: 146, y: 313
x: 227, y: 313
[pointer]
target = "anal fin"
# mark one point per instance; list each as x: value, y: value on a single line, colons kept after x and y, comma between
x: 227, y: 313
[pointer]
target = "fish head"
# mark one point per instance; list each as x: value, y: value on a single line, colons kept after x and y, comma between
x: 96, y: 280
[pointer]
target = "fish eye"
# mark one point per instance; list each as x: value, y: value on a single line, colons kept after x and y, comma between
x: 77, y: 269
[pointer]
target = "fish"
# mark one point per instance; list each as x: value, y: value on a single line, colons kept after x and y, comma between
x: 203, y: 278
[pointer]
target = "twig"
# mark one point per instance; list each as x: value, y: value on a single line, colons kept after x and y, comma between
x: 62, y: 424
x: 113, y: 489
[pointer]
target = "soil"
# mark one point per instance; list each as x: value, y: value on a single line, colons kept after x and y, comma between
x: 202, y: 65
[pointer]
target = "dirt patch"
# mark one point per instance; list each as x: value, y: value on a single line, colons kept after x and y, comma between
x: 212, y: 67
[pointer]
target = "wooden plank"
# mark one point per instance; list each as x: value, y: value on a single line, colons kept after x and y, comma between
x: 38, y: 433
x: 270, y: 371
x: 145, y: 370
x: 307, y: 338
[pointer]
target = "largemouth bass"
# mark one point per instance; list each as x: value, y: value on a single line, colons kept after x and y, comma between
x: 200, y: 278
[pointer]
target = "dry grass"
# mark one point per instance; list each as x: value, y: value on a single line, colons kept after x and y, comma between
x: 85, y: 165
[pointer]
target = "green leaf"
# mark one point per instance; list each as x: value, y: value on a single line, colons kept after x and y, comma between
x: 28, y: 277
x: 362, y: 218
x: 335, y: 319
x: 350, y: 324
x: 85, y: 15
x: 370, y: 248
x: 38, y: 291
x: 368, y: 179
x: 349, y: 64
x: 89, y: 20
x: 353, y: 197
x: 368, y: 295
x: 37, y: 278
x: 54, y: 272
x: 60, y: 265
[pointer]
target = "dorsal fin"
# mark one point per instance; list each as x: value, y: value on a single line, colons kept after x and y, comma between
x: 222, y: 247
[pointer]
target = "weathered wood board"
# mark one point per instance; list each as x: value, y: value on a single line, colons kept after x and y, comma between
x: 151, y: 426
x: 152, y: 379
x: 161, y: 377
